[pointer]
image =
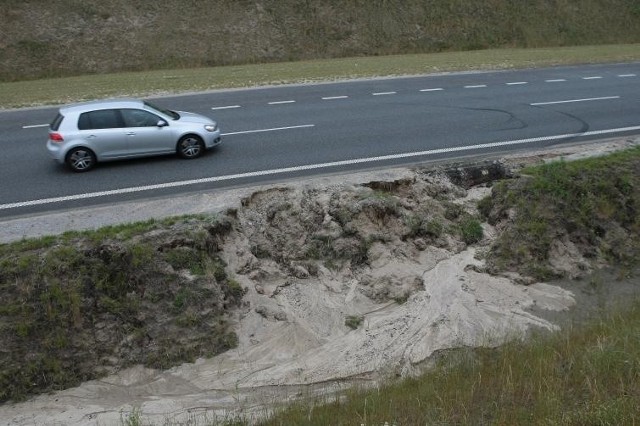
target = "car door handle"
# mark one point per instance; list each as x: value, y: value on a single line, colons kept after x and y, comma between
x: 91, y: 136
x: 131, y: 133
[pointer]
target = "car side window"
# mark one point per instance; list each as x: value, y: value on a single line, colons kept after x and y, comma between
x: 139, y: 118
x: 101, y: 119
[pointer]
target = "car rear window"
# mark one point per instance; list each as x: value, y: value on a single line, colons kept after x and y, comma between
x: 101, y: 119
x: 55, y: 124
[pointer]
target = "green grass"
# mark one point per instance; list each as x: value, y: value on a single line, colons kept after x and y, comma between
x: 581, y: 376
x: 594, y: 203
x: 162, y: 82
x: 471, y: 230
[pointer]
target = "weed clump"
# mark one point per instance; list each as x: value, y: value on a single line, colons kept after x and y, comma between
x: 353, y: 321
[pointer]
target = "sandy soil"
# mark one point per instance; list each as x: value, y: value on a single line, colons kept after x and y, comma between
x: 294, y: 342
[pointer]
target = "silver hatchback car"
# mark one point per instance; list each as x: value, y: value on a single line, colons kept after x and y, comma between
x: 83, y: 134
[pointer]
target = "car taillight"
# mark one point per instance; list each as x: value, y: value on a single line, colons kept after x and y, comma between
x: 56, y: 137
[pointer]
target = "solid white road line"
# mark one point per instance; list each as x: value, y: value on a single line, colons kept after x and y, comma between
x: 244, y: 132
x: 282, y: 102
x: 575, y: 100
x: 226, y: 107
x: 311, y: 167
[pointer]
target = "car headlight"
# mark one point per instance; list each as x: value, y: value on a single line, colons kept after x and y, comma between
x: 211, y: 127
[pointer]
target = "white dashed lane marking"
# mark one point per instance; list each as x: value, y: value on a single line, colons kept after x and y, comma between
x: 517, y: 83
x: 226, y: 107
x: 626, y: 75
x: 555, y: 80
x: 595, y: 77
x: 435, y: 89
x: 33, y: 126
x: 282, y: 102
x: 383, y: 93
x: 475, y: 86
x: 331, y: 98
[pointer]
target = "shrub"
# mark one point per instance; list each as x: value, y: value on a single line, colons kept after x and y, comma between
x: 353, y: 321
x: 471, y: 230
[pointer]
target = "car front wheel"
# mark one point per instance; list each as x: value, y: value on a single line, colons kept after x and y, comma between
x: 81, y: 159
x: 190, y: 147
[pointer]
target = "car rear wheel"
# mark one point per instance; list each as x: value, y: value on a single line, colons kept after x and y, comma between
x: 190, y: 146
x: 81, y: 159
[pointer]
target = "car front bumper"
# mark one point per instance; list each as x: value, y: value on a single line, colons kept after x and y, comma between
x: 213, y: 139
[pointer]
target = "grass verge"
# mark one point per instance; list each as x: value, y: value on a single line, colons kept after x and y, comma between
x: 162, y: 82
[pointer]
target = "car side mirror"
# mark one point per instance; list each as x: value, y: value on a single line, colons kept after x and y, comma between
x: 162, y: 123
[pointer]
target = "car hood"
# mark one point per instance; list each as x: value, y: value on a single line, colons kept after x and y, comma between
x: 190, y: 117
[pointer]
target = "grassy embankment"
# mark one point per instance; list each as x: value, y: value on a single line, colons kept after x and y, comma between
x: 60, y: 38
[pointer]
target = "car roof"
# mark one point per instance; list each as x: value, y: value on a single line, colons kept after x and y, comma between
x: 102, y: 104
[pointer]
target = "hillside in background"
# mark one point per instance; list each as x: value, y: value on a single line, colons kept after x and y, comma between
x: 70, y: 37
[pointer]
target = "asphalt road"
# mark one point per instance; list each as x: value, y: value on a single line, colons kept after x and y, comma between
x: 289, y: 131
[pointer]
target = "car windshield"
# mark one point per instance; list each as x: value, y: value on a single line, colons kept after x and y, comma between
x: 174, y: 115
